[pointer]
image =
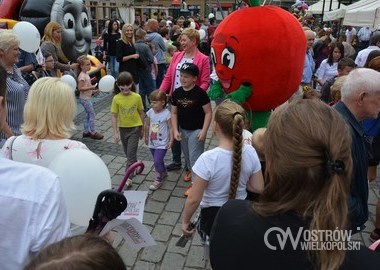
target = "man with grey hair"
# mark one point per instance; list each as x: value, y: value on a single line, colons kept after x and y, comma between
x: 360, y: 100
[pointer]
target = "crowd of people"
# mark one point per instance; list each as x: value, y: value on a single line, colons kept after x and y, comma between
x: 309, y: 168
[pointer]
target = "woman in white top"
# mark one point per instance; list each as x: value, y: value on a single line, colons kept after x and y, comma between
x: 329, y: 67
x: 48, y: 121
x: 225, y: 172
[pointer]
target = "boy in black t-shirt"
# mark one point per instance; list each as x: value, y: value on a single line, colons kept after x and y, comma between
x: 191, y: 116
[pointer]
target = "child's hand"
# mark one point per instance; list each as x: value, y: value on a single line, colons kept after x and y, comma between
x: 116, y: 138
x: 170, y: 144
x: 74, y: 66
x: 177, y: 135
x: 146, y: 140
x: 202, y: 135
x: 135, y: 56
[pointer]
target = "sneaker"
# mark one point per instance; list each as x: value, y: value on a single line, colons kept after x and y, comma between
x: 128, y: 183
x: 375, y: 235
x: 97, y: 136
x: 164, y: 174
x: 187, y: 176
x: 155, y: 185
x: 86, y: 134
x: 187, y: 192
x: 174, y: 166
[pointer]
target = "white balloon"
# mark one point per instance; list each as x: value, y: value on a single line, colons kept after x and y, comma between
x: 83, y: 175
x: 28, y: 36
x: 70, y: 81
x: 106, y: 83
x: 202, y: 33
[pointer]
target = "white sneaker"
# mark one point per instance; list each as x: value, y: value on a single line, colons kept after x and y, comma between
x: 128, y: 183
x: 155, y: 185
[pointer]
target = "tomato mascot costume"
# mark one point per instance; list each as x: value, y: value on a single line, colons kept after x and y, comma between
x: 258, y: 54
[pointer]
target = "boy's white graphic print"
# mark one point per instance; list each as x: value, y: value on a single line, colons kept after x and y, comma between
x: 185, y: 66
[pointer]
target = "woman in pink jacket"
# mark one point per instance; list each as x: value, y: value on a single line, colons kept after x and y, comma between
x: 189, y: 40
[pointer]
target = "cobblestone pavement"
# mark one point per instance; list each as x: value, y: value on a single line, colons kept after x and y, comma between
x: 163, y: 207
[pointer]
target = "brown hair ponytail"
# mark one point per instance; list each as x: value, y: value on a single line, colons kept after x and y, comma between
x: 238, y: 126
x: 230, y: 117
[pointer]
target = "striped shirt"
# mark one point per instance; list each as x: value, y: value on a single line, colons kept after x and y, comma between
x: 17, y: 92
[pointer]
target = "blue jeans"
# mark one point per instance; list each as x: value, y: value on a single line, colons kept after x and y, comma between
x: 89, y: 120
x: 191, y: 147
x: 114, y: 66
x: 146, y: 86
x: 160, y: 74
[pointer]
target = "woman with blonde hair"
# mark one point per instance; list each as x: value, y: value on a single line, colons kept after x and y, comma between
x: 17, y: 87
x: 48, y: 122
x: 126, y: 53
x: 51, y: 44
x: 309, y: 165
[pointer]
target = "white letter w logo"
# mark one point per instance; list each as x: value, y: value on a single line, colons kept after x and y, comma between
x: 282, y: 237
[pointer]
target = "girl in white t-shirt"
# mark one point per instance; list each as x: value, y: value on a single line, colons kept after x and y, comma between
x: 225, y: 172
x: 158, y: 134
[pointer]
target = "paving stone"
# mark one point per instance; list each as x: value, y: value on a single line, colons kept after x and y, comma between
x: 177, y: 231
x: 168, y: 218
x: 128, y: 255
x: 114, y: 165
x: 107, y: 158
x: 195, y: 257
x: 172, y: 261
x: 175, y: 204
x: 154, y: 207
x: 168, y: 185
x: 138, y: 179
x: 154, y: 254
x: 150, y: 218
x: 162, y: 232
x: 365, y: 239
x: 161, y: 195
x: 196, y: 241
x: 150, y: 228
x: 141, y: 265
x: 178, y: 192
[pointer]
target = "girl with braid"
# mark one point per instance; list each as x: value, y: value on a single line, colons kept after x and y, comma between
x: 223, y: 173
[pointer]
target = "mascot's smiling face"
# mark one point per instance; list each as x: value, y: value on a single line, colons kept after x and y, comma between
x: 76, y: 27
x: 263, y: 46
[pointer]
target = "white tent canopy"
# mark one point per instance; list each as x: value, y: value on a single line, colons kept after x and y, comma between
x: 317, y: 7
x: 339, y: 13
x: 368, y: 15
